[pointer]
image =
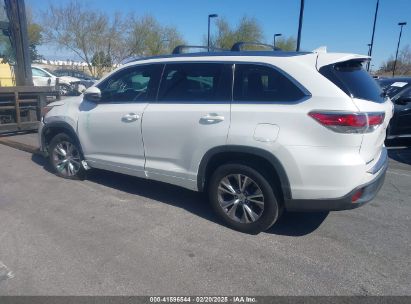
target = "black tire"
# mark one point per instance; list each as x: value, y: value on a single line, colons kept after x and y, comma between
x: 55, y: 158
x: 271, y: 207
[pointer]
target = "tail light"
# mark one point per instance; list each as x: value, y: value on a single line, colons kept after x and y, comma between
x: 342, y: 122
x: 374, y: 120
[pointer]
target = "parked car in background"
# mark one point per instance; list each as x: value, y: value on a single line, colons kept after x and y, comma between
x: 85, y: 79
x: 399, y: 90
x: 67, y: 85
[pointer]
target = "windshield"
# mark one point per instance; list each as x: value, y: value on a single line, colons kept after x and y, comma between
x: 393, y: 87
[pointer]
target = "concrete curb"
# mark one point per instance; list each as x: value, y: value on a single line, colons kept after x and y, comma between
x: 20, y: 146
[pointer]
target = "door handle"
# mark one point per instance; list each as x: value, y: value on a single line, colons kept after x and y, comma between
x: 130, y: 117
x: 212, y: 118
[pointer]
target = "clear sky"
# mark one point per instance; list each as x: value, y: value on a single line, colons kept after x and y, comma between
x: 341, y: 25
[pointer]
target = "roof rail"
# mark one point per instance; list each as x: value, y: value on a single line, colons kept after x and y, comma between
x: 130, y: 59
x: 179, y: 48
x: 237, y: 46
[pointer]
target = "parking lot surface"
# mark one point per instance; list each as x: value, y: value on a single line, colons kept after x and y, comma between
x: 118, y: 235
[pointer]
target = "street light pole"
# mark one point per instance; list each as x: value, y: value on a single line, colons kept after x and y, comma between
x: 208, y: 36
x: 401, y: 24
x: 300, y: 25
x: 276, y: 35
x: 372, y: 36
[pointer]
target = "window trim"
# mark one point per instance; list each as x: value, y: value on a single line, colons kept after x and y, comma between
x: 233, y: 63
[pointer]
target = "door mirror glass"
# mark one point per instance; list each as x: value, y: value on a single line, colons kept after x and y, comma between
x: 92, y: 94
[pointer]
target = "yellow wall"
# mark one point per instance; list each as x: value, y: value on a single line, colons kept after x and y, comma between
x: 6, y: 76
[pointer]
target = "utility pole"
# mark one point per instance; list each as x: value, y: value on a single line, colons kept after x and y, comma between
x: 276, y: 35
x: 401, y: 24
x: 16, y: 13
x: 208, y: 36
x: 372, y: 36
x: 300, y: 25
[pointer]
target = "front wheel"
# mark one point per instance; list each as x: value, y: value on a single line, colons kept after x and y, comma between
x: 243, y: 198
x: 65, y: 157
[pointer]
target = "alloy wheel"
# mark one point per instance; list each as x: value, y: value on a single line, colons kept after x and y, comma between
x: 241, y: 198
x: 66, y: 158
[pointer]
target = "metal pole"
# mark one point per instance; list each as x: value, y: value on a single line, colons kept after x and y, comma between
x: 398, y: 46
x: 300, y: 25
x: 276, y: 35
x: 208, y: 36
x: 372, y: 36
x: 16, y: 13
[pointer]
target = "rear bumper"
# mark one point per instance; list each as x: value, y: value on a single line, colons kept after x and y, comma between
x: 369, y: 191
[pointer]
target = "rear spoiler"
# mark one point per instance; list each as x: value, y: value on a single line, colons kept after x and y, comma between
x: 324, y: 59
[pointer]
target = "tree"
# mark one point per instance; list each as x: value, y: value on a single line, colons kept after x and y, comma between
x: 148, y: 37
x: 83, y: 31
x: 101, y: 59
x: 34, y: 32
x: 286, y: 44
x: 403, y: 66
x: 248, y: 30
x: 98, y: 39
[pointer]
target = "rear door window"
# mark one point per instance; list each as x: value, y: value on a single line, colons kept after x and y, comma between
x: 351, y: 77
x: 259, y: 83
x: 191, y: 82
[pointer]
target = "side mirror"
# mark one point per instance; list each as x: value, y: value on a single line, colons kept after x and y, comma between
x: 92, y: 94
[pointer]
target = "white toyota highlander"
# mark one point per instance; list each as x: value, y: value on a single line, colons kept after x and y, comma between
x: 259, y: 131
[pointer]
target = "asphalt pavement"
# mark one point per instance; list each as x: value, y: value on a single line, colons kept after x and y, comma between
x: 118, y: 235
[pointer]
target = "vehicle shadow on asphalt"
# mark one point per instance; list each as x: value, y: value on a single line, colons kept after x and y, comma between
x: 298, y: 223
x: 290, y: 224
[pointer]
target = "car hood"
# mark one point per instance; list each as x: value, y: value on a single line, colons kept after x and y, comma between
x: 68, y: 79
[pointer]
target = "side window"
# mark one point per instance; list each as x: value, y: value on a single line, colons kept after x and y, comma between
x: 138, y: 83
x: 38, y: 73
x: 407, y: 93
x: 190, y: 82
x: 262, y: 83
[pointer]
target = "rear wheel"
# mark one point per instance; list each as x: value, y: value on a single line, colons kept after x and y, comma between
x: 65, y: 157
x: 243, y: 198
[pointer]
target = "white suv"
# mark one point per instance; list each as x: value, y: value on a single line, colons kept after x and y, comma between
x: 259, y: 131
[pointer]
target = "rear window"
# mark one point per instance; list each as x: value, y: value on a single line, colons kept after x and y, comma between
x: 258, y: 83
x: 354, y: 80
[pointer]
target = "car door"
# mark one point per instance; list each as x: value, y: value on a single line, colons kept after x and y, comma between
x: 40, y: 78
x: 191, y: 116
x: 110, y: 130
x: 402, y: 113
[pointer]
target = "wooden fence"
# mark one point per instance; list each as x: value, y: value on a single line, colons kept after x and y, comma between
x: 20, y: 107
